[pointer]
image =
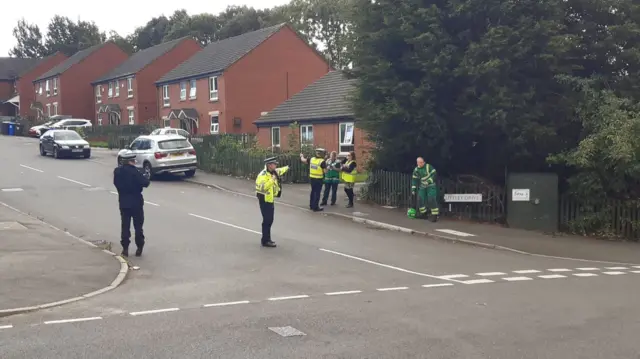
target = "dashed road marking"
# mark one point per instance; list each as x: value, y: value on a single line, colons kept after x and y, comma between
x: 635, y: 271
x: 112, y: 192
x: 6, y: 326
x: 156, y: 311
x: 477, y: 281
x: 437, y: 285
x: 289, y: 297
x: 12, y: 190
x: 74, y: 181
x: 559, y: 270
x: 31, y: 168
x: 588, y: 269
x: 526, y: 271
x: 489, y: 274
x: 614, y: 273
x: 515, y: 279
x: 456, y: 233
x: 391, y: 289
x: 453, y: 276
x: 75, y: 320
x: 552, y: 276
x: 226, y: 304
x: 151, y: 203
x: 344, y: 292
x: 225, y: 223
x: 617, y: 268
x: 585, y: 274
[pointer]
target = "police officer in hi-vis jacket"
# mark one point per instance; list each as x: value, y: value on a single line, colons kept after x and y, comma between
x: 317, y: 167
x: 268, y: 187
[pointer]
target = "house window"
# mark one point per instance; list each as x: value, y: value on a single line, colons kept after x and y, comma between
x: 98, y: 95
x: 55, y: 85
x: 215, y: 124
x: 306, y: 135
x: 346, y: 137
x: 167, y: 122
x: 213, y: 88
x: 165, y: 96
x: 49, y: 109
x: 132, y: 121
x: 47, y: 88
x: 130, y: 87
x: 55, y: 108
x: 39, y: 89
x: 110, y: 93
x: 275, y: 136
x: 183, y: 90
x: 192, y: 89
x: 116, y: 86
x: 99, y: 120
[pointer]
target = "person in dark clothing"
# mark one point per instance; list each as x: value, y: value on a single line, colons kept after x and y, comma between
x: 317, y: 168
x: 349, y: 171
x: 130, y: 183
x: 331, y: 179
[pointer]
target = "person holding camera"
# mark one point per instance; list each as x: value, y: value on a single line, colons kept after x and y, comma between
x: 268, y: 188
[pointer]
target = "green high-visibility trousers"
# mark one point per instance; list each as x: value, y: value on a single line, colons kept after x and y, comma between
x: 428, y: 199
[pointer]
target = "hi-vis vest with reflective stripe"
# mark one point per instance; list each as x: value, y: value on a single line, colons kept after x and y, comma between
x: 349, y: 177
x: 315, y: 171
x: 267, y: 186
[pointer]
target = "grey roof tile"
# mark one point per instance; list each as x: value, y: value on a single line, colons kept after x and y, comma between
x: 68, y: 63
x: 326, y: 98
x: 140, y: 60
x: 219, y: 55
x: 12, y: 67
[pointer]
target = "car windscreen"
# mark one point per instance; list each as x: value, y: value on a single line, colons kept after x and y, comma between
x: 174, y: 144
x: 67, y: 136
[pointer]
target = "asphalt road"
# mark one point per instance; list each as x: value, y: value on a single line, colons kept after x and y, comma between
x: 205, y: 288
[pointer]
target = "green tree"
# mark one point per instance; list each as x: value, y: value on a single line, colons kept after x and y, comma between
x: 30, y: 43
x: 151, y: 34
x: 124, y: 43
x: 69, y: 37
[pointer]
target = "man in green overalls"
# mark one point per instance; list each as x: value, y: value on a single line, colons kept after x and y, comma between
x: 331, y: 179
x: 423, y: 182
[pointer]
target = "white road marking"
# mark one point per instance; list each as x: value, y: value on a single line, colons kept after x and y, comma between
x: 74, y: 181
x: 345, y: 292
x: 552, y: 276
x: 585, y: 274
x: 488, y: 274
x: 453, y: 276
x: 437, y: 285
x: 387, y: 266
x: 478, y: 281
x: 614, y: 273
x: 112, y: 192
x: 587, y: 269
x: 290, y: 297
x: 515, y: 279
x: 390, y: 289
x: 226, y: 304
x: 559, y: 270
x: 72, y: 320
x: 225, y: 223
x: 635, y: 271
x: 154, y: 311
x: 456, y: 233
x: 616, y: 268
x: 526, y: 271
x: 31, y: 168
x: 636, y: 267
x: 151, y: 203
x: 6, y: 326
x: 12, y: 190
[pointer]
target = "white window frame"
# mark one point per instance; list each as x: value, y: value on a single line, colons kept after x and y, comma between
x: 116, y: 86
x: 214, y: 128
x: 39, y: 91
x: 350, y: 146
x: 55, y: 85
x: 132, y: 120
x: 213, y: 88
x: 110, y: 92
x: 47, y: 88
x: 183, y: 90
x: 129, y: 87
x: 279, y: 137
x: 306, y: 129
x: 98, y: 94
x: 166, y: 121
x: 55, y: 109
x: 193, y: 89
x: 49, y: 109
x: 99, y: 119
x: 166, y: 101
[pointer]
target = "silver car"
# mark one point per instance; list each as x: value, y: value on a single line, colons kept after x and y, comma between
x: 163, y: 154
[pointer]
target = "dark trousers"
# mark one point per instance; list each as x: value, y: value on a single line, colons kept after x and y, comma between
x: 330, y: 187
x: 348, y: 189
x: 316, y: 190
x: 268, y: 211
x: 126, y: 215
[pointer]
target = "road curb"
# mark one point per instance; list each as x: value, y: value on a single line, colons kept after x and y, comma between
x: 393, y: 227
x: 122, y: 274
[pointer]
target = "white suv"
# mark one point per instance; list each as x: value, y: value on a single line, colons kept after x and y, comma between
x: 70, y: 124
x: 163, y: 154
x: 170, y: 131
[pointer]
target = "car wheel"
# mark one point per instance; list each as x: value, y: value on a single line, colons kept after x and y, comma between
x: 42, y: 151
x: 189, y: 173
x: 56, y: 155
x: 88, y: 155
x: 146, y: 170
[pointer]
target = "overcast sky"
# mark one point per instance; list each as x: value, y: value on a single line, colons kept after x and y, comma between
x: 122, y: 16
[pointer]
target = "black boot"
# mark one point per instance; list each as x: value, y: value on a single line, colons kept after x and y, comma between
x: 125, y: 251
x: 139, y: 251
x: 269, y: 244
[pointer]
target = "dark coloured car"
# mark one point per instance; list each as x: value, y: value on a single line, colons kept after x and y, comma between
x: 64, y: 143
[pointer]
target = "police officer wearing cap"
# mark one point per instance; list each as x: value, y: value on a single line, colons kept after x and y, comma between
x: 130, y: 183
x: 317, y: 168
x: 268, y: 187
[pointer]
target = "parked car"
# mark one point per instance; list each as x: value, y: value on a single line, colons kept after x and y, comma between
x: 37, y: 131
x: 64, y: 143
x: 170, y: 131
x: 159, y: 154
x: 70, y: 123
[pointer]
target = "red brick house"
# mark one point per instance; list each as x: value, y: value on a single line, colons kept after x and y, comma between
x: 66, y: 89
x: 324, y: 116
x: 127, y: 94
x: 16, y: 87
x: 227, y: 85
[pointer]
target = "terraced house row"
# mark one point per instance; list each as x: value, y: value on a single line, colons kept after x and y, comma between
x: 259, y: 82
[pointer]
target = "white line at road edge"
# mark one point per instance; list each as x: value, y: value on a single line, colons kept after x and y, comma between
x: 344, y: 292
x: 388, y: 266
x: 290, y: 297
x: 154, y: 311
x: 225, y: 223
x: 72, y: 320
x: 225, y: 304
x: 76, y: 182
x: 31, y: 168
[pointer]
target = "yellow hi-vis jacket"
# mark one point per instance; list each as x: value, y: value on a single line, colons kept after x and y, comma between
x: 349, y: 177
x: 267, y: 185
x: 315, y: 169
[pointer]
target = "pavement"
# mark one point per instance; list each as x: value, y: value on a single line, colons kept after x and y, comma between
x: 332, y: 289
